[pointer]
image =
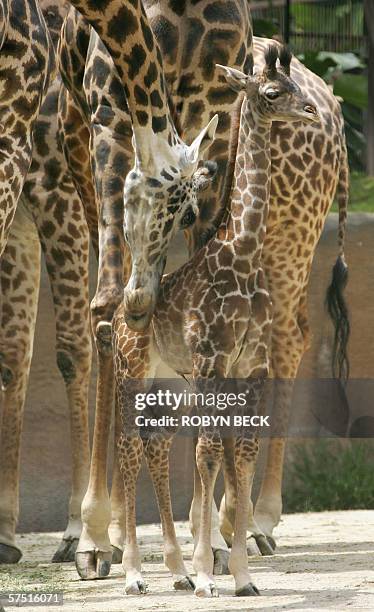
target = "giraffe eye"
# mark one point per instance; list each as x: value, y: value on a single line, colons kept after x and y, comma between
x: 188, y: 218
x: 271, y: 94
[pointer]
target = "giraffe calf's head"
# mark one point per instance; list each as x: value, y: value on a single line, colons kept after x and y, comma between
x: 276, y: 96
x: 160, y: 198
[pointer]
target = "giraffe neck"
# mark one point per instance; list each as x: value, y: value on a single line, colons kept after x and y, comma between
x: 123, y: 27
x: 245, y: 224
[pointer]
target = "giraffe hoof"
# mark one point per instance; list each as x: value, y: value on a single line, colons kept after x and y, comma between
x: 136, y: 588
x: 117, y: 554
x: 271, y: 542
x: 253, y: 549
x: 9, y: 554
x: 208, y: 590
x: 266, y: 545
x: 66, y: 551
x: 248, y: 591
x: 221, y: 562
x: 184, y: 584
x: 92, y: 565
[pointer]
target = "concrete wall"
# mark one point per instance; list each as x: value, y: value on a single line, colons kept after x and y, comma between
x: 46, y: 447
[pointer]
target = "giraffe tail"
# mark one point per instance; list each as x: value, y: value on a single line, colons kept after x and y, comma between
x: 335, y: 301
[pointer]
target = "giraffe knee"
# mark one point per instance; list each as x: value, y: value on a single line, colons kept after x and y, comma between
x: 305, y: 331
x: 65, y: 364
x: 6, y: 376
x: 14, y: 364
x: 73, y: 354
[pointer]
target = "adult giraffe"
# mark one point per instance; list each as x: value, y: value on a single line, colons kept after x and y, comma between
x: 26, y: 65
x: 49, y: 218
x: 306, y: 171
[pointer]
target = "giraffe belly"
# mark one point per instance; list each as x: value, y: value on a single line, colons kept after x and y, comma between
x: 174, y: 352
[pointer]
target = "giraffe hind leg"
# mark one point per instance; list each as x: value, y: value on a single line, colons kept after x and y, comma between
x: 156, y: 449
x: 20, y: 275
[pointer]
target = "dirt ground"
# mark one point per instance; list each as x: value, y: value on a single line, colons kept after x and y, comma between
x: 324, y: 561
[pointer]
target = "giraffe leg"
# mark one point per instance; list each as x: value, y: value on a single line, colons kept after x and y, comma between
x: 287, y: 285
x: 156, y: 450
x: 75, y: 137
x: 130, y: 452
x: 209, y: 451
x: 69, y: 282
x: 94, y: 551
x: 62, y: 228
x: 228, y: 501
x: 245, y: 454
x: 220, y: 549
x: 257, y: 543
x: 134, y: 361
x: 117, y: 527
x: 286, y: 356
x: 20, y: 275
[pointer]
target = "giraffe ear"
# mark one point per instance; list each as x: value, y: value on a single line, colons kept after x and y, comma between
x: 235, y: 78
x: 196, y: 150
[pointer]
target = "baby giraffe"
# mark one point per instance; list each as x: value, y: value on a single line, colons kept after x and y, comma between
x: 212, y: 321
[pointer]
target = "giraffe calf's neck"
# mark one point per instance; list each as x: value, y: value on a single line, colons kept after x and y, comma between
x: 244, y: 226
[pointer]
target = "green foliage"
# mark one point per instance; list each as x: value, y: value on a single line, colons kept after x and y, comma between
x: 331, y: 475
x: 265, y: 27
x: 306, y: 16
x: 361, y: 193
x: 353, y: 88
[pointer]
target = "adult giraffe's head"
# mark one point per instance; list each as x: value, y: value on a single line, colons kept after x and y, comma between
x: 160, y: 194
x: 160, y: 198
x: 274, y: 94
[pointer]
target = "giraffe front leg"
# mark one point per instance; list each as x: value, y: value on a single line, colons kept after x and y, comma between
x: 130, y: 448
x: 157, y: 448
x: 66, y: 259
x: 209, y: 451
x: 94, y: 552
x: 74, y: 136
x: 117, y: 527
x: 19, y: 302
x: 220, y: 549
x: 245, y: 453
x: 132, y: 364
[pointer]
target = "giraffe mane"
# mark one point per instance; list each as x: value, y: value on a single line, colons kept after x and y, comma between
x: 233, y: 148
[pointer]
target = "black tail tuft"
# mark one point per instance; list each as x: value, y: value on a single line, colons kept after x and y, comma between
x: 338, y: 311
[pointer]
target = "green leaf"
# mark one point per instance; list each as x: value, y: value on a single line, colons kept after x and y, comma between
x: 352, y: 88
x: 345, y: 61
x: 316, y: 64
x: 264, y: 28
